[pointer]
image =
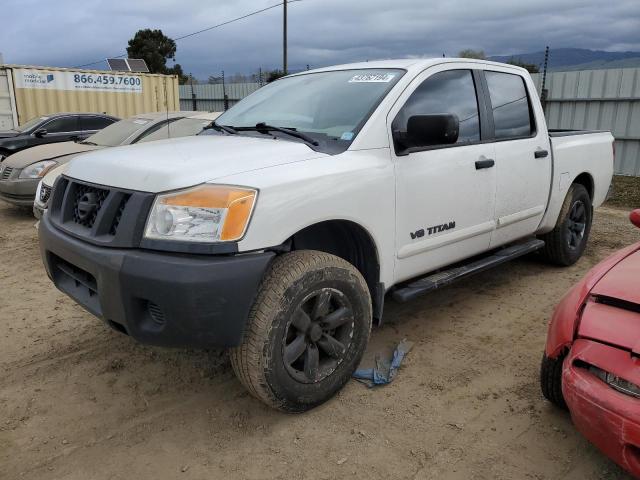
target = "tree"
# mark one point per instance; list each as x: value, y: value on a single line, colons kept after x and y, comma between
x: 274, y: 75
x: 155, y: 48
x: 470, y: 53
x: 528, y: 66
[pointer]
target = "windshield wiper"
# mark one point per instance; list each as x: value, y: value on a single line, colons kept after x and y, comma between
x: 86, y: 142
x: 263, y: 127
x: 221, y: 128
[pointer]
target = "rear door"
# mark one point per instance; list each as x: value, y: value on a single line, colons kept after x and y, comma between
x: 522, y: 154
x: 444, y: 193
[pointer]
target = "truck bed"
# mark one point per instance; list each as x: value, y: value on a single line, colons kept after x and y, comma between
x: 558, y: 132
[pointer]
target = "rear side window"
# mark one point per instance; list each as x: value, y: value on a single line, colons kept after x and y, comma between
x: 62, y: 125
x: 512, y: 114
x: 453, y: 92
x: 94, y: 123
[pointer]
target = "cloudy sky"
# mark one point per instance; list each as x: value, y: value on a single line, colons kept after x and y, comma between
x: 321, y: 32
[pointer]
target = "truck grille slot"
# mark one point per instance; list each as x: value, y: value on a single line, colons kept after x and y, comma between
x: 45, y: 193
x: 6, y: 172
x: 156, y: 313
x: 116, y: 220
x: 79, y: 277
x: 77, y: 283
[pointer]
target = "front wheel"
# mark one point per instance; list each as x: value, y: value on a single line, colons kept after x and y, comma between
x: 565, y: 244
x: 551, y: 380
x: 306, y: 332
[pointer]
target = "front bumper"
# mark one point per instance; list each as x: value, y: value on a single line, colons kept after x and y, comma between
x: 607, y: 418
x: 20, y: 192
x: 176, y: 300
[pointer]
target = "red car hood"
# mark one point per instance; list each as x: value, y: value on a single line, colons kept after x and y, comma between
x: 613, y: 316
x: 622, y: 281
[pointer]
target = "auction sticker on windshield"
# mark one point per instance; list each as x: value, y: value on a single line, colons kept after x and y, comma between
x: 372, y: 78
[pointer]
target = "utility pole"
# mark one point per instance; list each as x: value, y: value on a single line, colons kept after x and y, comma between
x: 224, y: 94
x: 543, y: 89
x: 193, y: 95
x: 284, y: 37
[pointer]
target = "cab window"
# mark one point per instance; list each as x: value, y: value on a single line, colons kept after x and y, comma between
x: 512, y: 113
x: 452, y: 92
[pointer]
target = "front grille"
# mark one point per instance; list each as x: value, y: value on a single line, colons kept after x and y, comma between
x: 99, y: 214
x: 45, y: 193
x: 87, y: 203
x: 6, y: 172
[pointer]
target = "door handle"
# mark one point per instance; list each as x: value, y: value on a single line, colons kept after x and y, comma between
x: 486, y: 163
x: 540, y: 153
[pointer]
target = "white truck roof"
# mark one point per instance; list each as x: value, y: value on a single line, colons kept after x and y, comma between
x: 410, y: 64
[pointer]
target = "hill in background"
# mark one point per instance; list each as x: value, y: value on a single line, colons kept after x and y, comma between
x: 563, y: 59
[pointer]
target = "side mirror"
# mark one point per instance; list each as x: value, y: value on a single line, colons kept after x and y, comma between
x: 634, y: 216
x: 40, y: 132
x: 430, y: 130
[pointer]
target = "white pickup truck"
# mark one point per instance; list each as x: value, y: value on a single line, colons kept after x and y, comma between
x: 279, y: 234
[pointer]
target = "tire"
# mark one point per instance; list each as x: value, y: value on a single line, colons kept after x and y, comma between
x: 287, y: 359
x: 551, y: 380
x: 565, y: 244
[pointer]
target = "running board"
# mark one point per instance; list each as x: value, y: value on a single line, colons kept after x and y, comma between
x: 446, y: 277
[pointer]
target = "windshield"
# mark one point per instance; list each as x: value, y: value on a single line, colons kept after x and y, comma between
x: 30, y: 124
x: 329, y: 106
x: 118, y: 133
x: 184, y: 127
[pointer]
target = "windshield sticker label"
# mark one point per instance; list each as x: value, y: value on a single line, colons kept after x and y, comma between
x: 347, y: 136
x: 141, y: 122
x: 372, y: 78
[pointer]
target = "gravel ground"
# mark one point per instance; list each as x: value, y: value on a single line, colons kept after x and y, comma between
x: 81, y: 401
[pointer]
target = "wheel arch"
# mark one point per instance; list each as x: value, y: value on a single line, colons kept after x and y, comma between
x: 586, y: 180
x: 350, y: 241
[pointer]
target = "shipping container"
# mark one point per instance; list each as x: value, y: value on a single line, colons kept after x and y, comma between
x: 27, y: 92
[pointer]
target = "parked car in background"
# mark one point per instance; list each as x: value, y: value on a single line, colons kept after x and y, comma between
x: 58, y: 127
x: 182, y: 127
x: 591, y: 363
x: 279, y: 234
x: 20, y: 174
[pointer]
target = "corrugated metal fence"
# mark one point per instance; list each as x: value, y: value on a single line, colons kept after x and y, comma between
x: 587, y: 99
x: 211, y: 97
x: 599, y: 100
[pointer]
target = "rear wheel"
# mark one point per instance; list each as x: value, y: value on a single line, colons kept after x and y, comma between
x: 306, y: 333
x: 551, y: 380
x: 565, y: 244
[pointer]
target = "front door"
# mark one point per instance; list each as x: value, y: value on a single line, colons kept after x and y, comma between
x: 445, y: 194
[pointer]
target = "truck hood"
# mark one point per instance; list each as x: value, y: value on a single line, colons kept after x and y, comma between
x: 46, y: 152
x: 179, y: 163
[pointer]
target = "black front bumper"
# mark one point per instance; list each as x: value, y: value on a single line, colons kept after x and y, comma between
x: 165, y: 299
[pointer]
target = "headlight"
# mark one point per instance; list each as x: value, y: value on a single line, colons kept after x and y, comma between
x: 208, y: 213
x: 37, y: 170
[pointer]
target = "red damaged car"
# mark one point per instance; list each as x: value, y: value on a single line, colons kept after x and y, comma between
x: 591, y: 363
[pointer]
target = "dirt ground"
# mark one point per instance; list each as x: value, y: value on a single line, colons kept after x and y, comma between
x: 80, y: 401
